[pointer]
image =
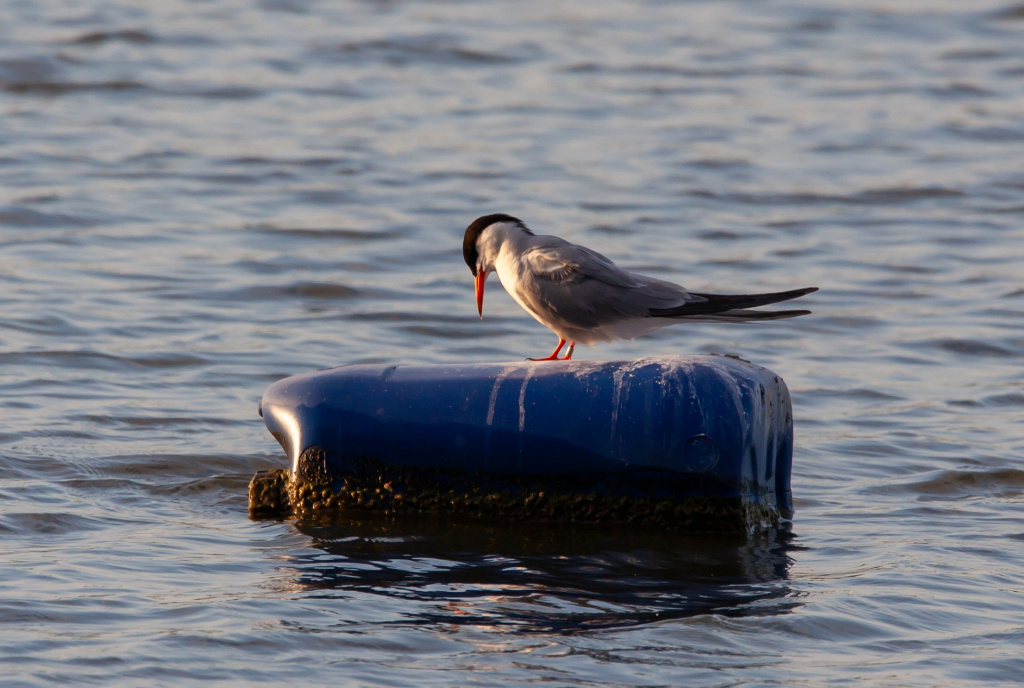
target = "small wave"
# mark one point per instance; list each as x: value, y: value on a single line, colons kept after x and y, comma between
x: 822, y: 24
x: 1012, y: 399
x: 855, y: 393
x: 718, y: 163
x: 860, y: 146
x: 321, y: 290
x: 862, y: 92
x: 717, y: 73
x: 28, y: 69
x: 324, y: 196
x: 612, y: 230
x: 44, y: 325
x: 972, y: 54
x: 232, y: 486
x: 850, y: 322
x: 476, y: 175
x: 136, y: 36
x: 997, y: 482
x: 408, y: 317
x: 988, y: 134
x: 881, y: 196
x: 331, y: 232
x: 17, y: 216
x: 799, y: 252
x: 401, y: 51
x: 451, y: 332
x: 1014, y: 13
x: 960, y: 90
x: 87, y: 359
x: 58, y: 88
x: 39, y: 523
x: 904, y: 194
x: 152, y: 423
x: 721, y: 235
x: 611, y: 206
x: 343, y: 165
x: 973, y: 347
x: 218, y: 92
x: 307, y: 290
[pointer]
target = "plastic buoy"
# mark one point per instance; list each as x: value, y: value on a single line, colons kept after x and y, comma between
x: 676, y: 441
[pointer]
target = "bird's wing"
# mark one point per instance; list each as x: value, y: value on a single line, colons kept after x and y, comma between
x: 560, y: 261
x: 585, y: 288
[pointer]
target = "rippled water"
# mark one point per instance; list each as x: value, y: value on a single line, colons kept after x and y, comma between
x: 199, y: 198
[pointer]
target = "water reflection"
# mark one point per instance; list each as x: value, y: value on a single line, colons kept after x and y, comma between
x: 541, y: 577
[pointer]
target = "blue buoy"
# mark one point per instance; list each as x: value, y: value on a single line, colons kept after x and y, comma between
x: 687, y: 441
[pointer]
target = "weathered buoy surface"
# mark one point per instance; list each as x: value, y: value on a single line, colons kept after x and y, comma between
x: 694, y: 442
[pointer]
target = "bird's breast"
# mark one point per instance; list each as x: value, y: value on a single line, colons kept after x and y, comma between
x: 520, y: 283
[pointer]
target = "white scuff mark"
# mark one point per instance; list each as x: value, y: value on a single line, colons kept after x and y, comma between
x: 584, y: 370
x: 293, y: 431
x: 522, y: 400
x: 505, y: 372
x: 616, y: 394
x: 618, y: 378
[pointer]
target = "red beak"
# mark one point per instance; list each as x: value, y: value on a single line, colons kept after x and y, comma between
x: 481, y: 275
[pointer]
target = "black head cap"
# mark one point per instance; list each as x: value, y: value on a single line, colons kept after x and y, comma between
x: 473, y: 233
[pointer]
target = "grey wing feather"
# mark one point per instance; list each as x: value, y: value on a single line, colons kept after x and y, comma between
x: 586, y: 288
x: 561, y: 261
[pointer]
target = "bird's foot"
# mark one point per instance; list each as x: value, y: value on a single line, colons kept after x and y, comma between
x: 554, y: 354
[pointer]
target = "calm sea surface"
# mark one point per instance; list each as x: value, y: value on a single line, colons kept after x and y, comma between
x: 199, y: 198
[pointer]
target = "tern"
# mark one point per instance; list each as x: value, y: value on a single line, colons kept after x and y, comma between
x: 584, y: 297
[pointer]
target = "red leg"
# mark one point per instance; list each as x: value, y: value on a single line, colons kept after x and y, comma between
x: 554, y: 354
x: 568, y: 354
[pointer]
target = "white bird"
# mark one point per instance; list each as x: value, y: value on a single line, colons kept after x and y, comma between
x: 583, y: 297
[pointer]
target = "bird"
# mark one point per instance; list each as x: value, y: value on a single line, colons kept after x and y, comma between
x: 584, y: 298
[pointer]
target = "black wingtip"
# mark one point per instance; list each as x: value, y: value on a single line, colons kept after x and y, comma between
x: 720, y: 303
x: 756, y: 316
x: 775, y: 315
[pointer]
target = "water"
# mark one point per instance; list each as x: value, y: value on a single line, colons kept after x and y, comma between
x: 199, y: 198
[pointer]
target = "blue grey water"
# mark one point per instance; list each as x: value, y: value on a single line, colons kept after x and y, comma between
x: 199, y: 198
